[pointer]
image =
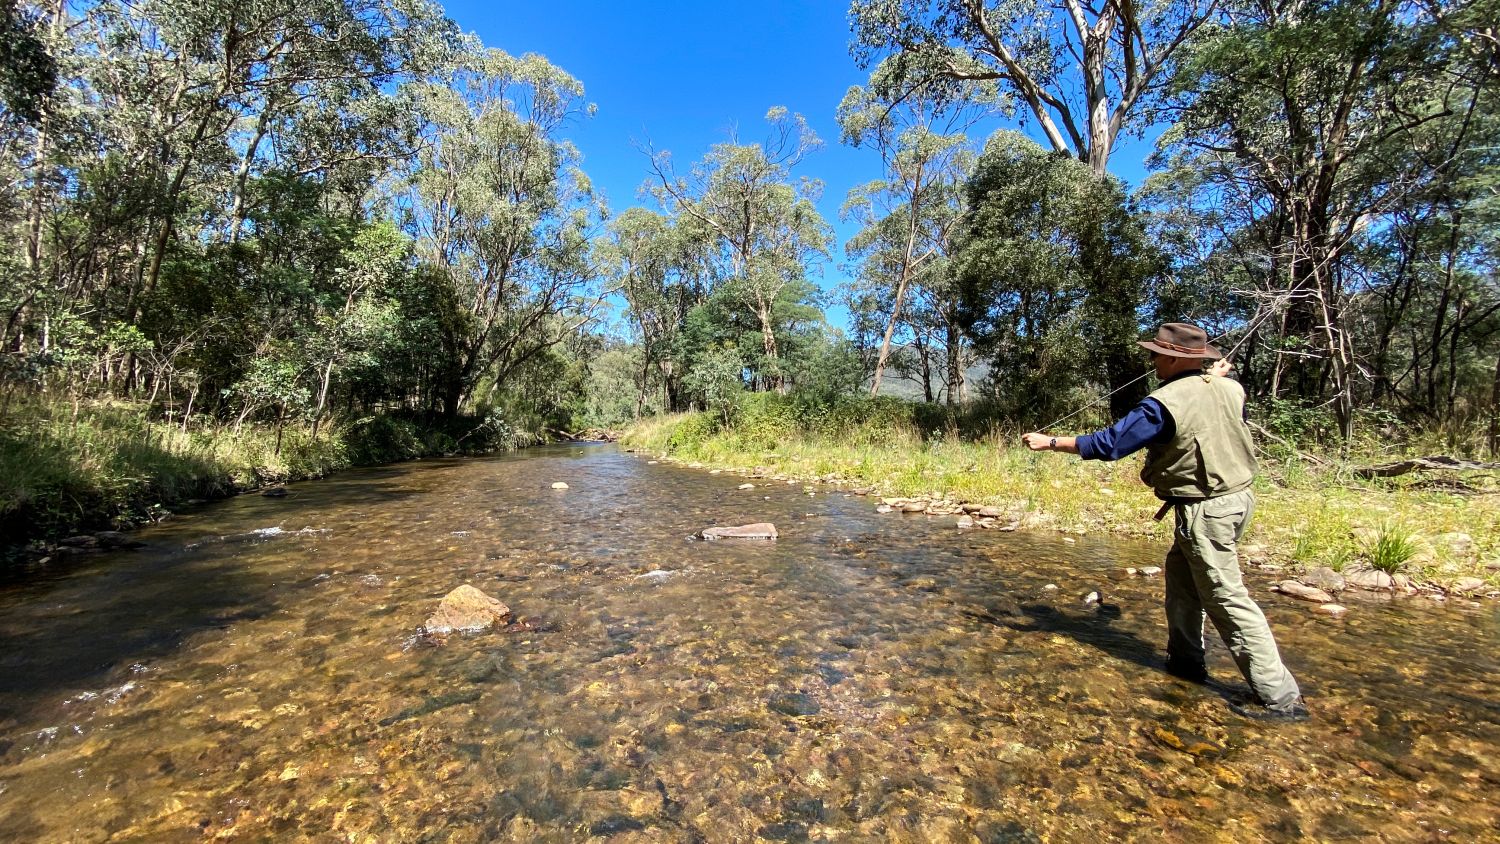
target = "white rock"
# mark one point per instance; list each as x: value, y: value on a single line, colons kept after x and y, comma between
x: 884, y: 508
x: 559, y: 485
x: 1332, y: 609
x: 1051, y: 587
x: 965, y: 521
x: 746, y: 486
x: 1150, y: 571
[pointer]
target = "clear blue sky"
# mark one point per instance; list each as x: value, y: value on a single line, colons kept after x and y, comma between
x: 682, y: 75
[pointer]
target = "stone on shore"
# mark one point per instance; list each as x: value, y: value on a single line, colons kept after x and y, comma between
x: 467, y: 608
x: 1324, y: 578
x: 1469, y: 586
x: 758, y: 530
x: 1303, y: 592
x: 991, y: 512
x: 1372, y: 579
x: 914, y: 507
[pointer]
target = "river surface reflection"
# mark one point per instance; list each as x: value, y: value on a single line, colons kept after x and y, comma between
x: 252, y: 674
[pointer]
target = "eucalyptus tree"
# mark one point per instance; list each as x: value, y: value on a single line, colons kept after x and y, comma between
x: 907, y: 216
x: 1084, y: 71
x: 1328, y: 121
x: 1053, y: 269
x: 503, y: 214
x: 660, y: 273
x: 761, y: 232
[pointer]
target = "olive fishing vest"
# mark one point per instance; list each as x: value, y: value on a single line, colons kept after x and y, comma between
x: 1210, y: 454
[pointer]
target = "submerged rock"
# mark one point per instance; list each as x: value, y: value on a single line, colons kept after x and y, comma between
x: 758, y: 530
x: 274, y: 492
x: 795, y: 704
x: 965, y: 521
x: 1187, y: 741
x: 1334, y: 610
x: 745, y: 486
x: 467, y: 608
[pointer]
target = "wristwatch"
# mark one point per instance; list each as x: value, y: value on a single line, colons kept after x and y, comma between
x: 1052, y: 446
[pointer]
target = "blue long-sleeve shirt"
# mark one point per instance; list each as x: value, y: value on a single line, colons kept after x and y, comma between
x: 1146, y: 423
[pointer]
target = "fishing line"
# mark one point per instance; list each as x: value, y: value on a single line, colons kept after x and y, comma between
x: 1249, y: 331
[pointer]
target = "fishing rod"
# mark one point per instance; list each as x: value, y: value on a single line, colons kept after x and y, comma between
x: 1249, y: 331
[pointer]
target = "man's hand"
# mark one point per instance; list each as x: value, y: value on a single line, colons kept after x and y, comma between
x: 1037, y: 442
x: 1221, y: 367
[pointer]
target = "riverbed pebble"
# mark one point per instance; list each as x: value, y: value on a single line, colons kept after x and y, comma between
x: 965, y: 522
x: 745, y: 486
x: 1334, y: 610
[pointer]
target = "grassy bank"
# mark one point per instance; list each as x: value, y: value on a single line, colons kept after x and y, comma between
x: 109, y: 466
x: 1305, y: 518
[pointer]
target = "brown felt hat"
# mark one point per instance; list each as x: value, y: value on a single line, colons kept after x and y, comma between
x: 1181, y: 340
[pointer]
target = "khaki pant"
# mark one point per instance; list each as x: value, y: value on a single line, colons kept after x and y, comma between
x: 1203, y: 577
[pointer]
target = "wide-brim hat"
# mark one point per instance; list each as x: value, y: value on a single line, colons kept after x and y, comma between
x: 1181, y: 340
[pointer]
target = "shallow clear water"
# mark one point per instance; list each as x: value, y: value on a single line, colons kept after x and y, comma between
x: 865, y: 677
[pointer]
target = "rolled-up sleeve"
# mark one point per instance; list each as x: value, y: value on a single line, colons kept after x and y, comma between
x: 1146, y: 423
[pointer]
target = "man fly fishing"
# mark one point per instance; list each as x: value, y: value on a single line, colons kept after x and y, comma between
x: 1200, y: 462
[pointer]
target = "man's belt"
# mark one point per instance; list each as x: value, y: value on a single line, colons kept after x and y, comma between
x: 1169, y: 503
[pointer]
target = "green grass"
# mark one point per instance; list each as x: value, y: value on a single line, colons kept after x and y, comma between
x: 110, y: 466
x: 1304, y: 517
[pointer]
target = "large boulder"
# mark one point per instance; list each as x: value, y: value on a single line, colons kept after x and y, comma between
x: 467, y: 608
x: 759, y: 530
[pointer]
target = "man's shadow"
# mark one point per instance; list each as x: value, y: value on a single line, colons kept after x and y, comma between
x: 1093, y: 627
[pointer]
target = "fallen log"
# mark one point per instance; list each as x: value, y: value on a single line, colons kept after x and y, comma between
x: 1402, y: 467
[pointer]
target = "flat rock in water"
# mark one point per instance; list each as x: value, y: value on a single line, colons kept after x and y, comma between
x: 1150, y: 571
x: 1324, y: 578
x: 1372, y: 579
x: 559, y: 485
x: 884, y: 508
x: 1303, y: 591
x: 745, y: 486
x: 467, y: 608
x: 1334, y: 610
x: 758, y: 530
x: 965, y: 521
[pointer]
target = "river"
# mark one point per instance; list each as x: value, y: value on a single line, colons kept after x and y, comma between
x: 253, y: 674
